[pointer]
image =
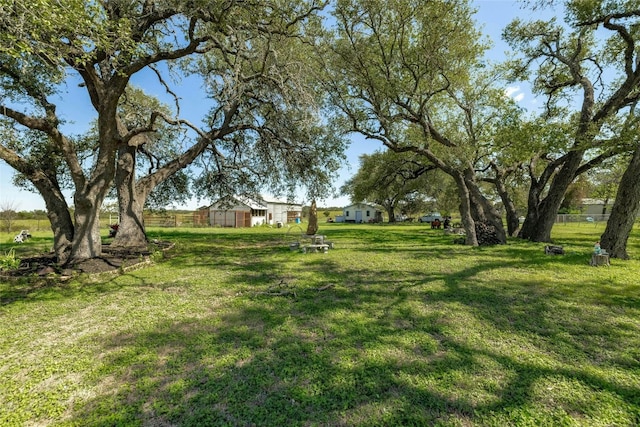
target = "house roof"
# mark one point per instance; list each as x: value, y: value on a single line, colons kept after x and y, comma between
x: 247, y: 201
x: 355, y: 205
x: 273, y: 200
x: 596, y: 202
x: 253, y: 204
x: 260, y: 203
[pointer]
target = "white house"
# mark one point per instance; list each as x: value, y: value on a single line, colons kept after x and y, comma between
x: 361, y: 212
x: 239, y: 212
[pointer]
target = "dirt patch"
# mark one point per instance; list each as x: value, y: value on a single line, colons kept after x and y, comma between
x: 111, y: 260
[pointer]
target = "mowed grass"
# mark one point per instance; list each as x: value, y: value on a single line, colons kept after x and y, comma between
x: 395, y: 326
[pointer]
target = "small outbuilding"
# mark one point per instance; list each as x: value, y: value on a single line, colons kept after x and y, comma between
x: 239, y: 211
x: 361, y: 212
x: 596, y: 206
x: 282, y: 211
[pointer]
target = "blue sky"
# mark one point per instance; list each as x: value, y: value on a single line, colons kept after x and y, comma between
x: 492, y: 16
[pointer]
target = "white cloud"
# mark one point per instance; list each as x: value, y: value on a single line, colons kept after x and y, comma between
x: 514, y: 93
x: 511, y: 90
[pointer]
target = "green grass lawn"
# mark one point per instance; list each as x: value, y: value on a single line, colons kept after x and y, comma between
x: 395, y: 326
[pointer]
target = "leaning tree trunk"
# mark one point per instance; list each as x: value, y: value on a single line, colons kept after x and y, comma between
x: 57, y: 212
x: 131, y: 232
x: 485, y: 209
x: 513, y: 224
x: 61, y: 224
x: 46, y: 182
x: 624, y: 211
x: 542, y: 213
x: 466, y: 211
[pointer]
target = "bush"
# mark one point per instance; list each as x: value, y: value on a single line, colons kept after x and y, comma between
x: 9, y: 261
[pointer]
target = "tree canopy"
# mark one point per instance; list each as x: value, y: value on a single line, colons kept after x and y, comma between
x: 409, y: 75
x: 391, y: 180
x: 587, y: 68
x: 245, y: 52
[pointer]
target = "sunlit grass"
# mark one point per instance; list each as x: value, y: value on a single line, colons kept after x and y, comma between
x: 395, y: 326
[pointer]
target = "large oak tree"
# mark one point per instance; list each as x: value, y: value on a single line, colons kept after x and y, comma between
x: 590, y: 64
x: 46, y: 44
x: 407, y: 73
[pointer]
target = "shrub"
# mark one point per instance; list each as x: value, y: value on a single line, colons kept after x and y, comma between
x: 8, y: 261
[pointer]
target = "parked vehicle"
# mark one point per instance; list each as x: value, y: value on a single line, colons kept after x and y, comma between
x: 430, y: 217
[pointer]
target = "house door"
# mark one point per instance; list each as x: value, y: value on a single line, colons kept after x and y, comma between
x: 358, y: 216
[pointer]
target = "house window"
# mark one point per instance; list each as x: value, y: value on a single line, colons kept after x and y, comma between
x: 347, y: 213
x: 368, y: 214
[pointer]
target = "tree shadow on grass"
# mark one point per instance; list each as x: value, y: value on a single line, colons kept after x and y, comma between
x: 380, y: 352
x: 252, y: 368
x: 376, y: 348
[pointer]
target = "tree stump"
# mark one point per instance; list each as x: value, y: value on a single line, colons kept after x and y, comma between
x: 599, y: 259
x: 312, y: 228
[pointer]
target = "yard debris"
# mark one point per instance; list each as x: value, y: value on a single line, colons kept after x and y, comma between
x: 282, y: 289
x: 486, y: 234
x: 553, y: 250
x: 22, y: 237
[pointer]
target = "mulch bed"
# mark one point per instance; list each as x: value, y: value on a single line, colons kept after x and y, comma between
x: 109, y: 261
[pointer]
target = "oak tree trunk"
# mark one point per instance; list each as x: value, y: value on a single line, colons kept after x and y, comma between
x: 391, y: 211
x: 513, y: 224
x: 484, y: 208
x: 624, y: 211
x: 133, y: 192
x: 46, y: 182
x: 466, y: 211
x: 131, y: 232
x: 61, y: 225
x: 86, y: 237
x: 57, y: 212
x: 392, y: 215
x: 542, y: 212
